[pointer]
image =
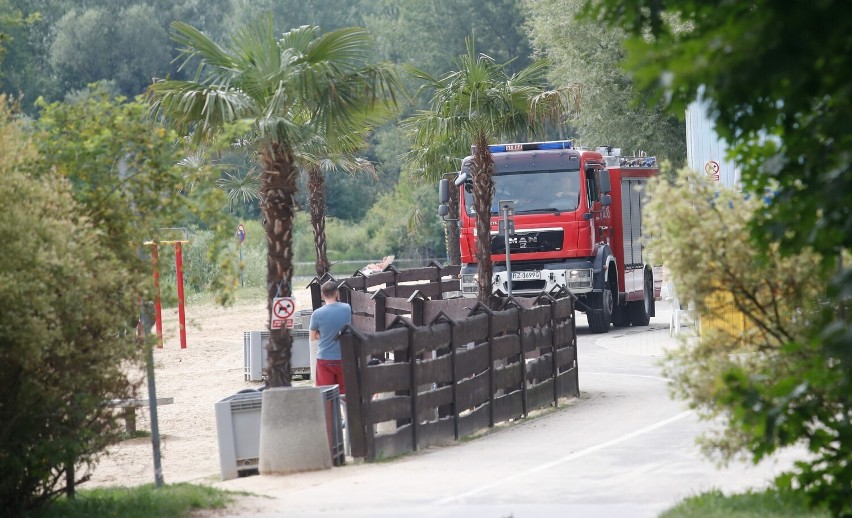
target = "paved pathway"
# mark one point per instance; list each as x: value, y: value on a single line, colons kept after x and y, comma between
x: 622, y: 449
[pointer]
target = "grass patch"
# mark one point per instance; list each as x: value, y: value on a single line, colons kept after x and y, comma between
x: 170, y: 501
x: 751, y: 504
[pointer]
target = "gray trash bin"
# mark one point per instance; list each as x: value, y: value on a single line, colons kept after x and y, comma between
x: 238, y: 430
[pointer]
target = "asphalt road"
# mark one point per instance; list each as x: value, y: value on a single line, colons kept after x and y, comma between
x: 624, y: 448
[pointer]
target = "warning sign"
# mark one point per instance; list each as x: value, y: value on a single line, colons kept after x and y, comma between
x: 283, y: 309
x: 711, y: 168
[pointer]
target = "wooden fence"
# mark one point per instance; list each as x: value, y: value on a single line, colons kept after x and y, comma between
x: 422, y: 369
x: 467, y: 369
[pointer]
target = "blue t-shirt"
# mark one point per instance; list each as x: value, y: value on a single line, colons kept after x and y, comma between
x: 329, y: 320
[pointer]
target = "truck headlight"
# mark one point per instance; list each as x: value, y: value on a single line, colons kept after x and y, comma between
x: 579, y: 274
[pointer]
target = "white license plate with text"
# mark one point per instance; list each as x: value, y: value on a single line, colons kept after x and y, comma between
x: 525, y: 275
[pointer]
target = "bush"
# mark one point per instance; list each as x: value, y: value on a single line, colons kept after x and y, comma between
x: 64, y: 300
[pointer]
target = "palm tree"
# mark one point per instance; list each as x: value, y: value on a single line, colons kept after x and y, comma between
x: 437, y: 155
x: 279, y: 93
x: 316, y: 158
x: 476, y: 104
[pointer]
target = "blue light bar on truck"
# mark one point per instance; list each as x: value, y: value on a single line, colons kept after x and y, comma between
x: 530, y: 146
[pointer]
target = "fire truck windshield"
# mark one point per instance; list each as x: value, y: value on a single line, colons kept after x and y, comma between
x: 533, y: 191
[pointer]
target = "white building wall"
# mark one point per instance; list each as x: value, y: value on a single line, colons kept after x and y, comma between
x: 703, y: 145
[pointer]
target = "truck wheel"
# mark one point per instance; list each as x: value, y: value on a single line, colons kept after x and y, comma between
x: 640, y: 310
x: 599, y: 320
x: 620, y: 315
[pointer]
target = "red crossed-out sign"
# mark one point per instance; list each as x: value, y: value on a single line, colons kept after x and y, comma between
x: 282, y: 312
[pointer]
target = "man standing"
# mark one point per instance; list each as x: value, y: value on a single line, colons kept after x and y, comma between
x: 326, y: 323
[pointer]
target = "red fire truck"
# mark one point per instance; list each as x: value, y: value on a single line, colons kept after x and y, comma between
x: 577, y: 224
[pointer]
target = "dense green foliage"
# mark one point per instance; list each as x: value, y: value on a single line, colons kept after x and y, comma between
x: 765, y: 504
x: 170, y: 501
x: 66, y: 330
x: 587, y: 56
x: 84, y: 186
x: 777, y: 78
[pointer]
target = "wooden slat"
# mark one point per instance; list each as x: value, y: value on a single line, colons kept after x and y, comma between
x: 509, y: 406
x: 506, y: 346
x: 540, y: 396
x: 540, y: 369
x: 438, y: 370
x: 355, y: 283
x: 362, y: 302
x: 426, y: 273
x: 565, y: 357
x: 398, y: 303
x: 563, y: 309
x: 436, y: 433
x: 393, y: 445
x: 364, y: 324
x: 451, y: 270
x: 535, y: 316
x: 472, y: 392
x: 385, y: 341
x: 380, y: 278
x: 388, y: 409
x: 505, y: 321
x: 507, y: 377
x: 567, y: 384
x: 471, y: 329
x: 435, y: 397
x: 431, y: 338
x: 472, y: 361
x: 474, y: 421
x: 387, y: 377
x: 349, y: 345
x: 456, y: 309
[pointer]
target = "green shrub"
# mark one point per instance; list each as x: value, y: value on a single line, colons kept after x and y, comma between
x: 64, y: 300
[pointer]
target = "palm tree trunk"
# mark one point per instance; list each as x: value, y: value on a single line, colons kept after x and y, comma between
x: 278, y: 204
x: 316, y: 202
x: 483, y: 192
x: 452, y: 228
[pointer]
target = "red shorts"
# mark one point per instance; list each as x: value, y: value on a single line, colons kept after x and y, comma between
x: 330, y: 372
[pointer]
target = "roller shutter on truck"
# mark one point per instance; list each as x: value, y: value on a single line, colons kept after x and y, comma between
x: 632, y: 199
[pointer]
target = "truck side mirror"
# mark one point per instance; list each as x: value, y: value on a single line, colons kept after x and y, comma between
x: 606, y: 200
x: 444, y: 191
x: 443, y: 210
x: 605, y: 183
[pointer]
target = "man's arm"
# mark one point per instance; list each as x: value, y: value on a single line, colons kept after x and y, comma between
x: 314, y: 335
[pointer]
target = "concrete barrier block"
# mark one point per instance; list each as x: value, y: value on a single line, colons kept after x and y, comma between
x: 293, y: 434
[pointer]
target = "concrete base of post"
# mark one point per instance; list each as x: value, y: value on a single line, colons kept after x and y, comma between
x: 314, y: 347
x: 293, y: 433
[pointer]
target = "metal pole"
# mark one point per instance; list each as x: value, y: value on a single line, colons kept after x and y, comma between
x: 158, y: 306
x: 505, y: 210
x: 152, y: 402
x: 181, y: 312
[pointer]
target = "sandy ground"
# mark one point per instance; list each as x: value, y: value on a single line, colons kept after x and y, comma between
x: 209, y: 369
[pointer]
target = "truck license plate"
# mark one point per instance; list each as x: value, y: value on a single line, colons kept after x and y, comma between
x: 526, y: 275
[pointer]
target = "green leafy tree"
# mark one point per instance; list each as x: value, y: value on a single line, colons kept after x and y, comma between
x: 279, y: 92
x: 588, y: 55
x: 65, y: 299
x: 478, y: 103
x: 777, y: 79
x: 127, y: 45
x: 101, y: 179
